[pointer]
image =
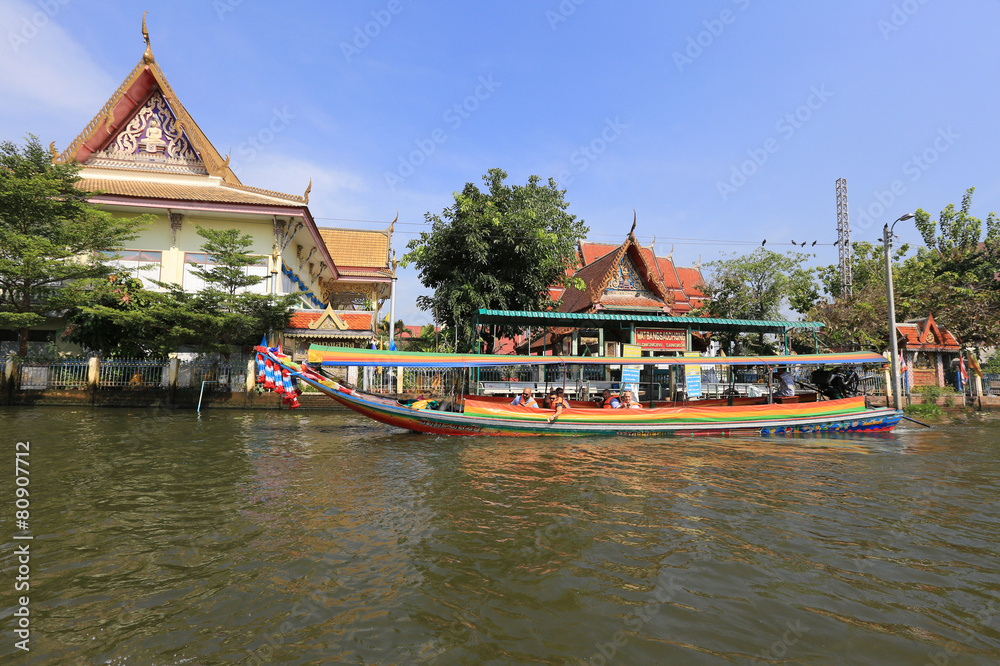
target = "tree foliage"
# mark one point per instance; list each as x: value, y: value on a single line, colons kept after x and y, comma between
x: 501, y: 248
x: 123, y: 319
x: 228, y: 252
x: 758, y: 286
x: 962, y: 268
x: 50, y: 236
x: 955, y: 278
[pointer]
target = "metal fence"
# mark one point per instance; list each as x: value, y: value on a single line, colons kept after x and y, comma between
x: 62, y: 374
x: 991, y: 383
x: 215, y: 372
x: 432, y: 381
x: 133, y: 374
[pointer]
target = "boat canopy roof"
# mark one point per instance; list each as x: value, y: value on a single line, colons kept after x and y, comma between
x: 341, y: 356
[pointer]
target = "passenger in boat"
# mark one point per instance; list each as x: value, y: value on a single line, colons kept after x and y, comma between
x: 525, y: 399
x: 608, y: 401
x: 627, y: 401
x: 786, y: 383
x: 557, y: 402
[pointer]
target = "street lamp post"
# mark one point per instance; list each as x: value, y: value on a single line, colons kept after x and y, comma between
x: 897, y: 396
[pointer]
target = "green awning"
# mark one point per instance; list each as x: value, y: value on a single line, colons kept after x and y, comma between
x: 596, y: 320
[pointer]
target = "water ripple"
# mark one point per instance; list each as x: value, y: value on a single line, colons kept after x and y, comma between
x: 166, y: 538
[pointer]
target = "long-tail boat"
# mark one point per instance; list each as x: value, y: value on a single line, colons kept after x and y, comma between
x: 488, y: 417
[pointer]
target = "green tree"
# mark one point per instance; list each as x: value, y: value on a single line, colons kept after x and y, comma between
x: 759, y: 286
x: 228, y: 252
x: 961, y: 266
x: 860, y: 319
x: 145, y: 323
x: 226, y: 318
x: 50, y: 237
x: 501, y: 248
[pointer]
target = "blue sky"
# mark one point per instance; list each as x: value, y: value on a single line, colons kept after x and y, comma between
x: 722, y: 123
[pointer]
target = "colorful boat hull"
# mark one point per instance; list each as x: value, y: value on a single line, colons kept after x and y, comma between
x: 489, y: 419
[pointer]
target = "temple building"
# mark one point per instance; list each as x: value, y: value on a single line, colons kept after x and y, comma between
x: 929, y: 352
x: 628, y: 280
x: 144, y: 153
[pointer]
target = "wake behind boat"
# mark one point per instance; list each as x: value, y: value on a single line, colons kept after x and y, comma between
x: 491, y: 418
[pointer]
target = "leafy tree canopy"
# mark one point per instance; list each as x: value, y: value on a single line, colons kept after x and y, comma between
x: 962, y: 270
x: 122, y: 319
x: 758, y: 286
x: 954, y: 277
x: 501, y: 248
x: 228, y: 252
x: 50, y: 236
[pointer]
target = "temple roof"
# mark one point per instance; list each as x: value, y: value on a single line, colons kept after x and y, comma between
x: 680, y: 282
x: 925, y: 334
x: 329, y: 323
x: 354, y: 249
x: 195, y: 191
x: 144, y: 130
x: 626, y: 278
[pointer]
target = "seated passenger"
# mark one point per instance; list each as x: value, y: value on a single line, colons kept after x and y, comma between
x: 560, y: 396
x: 525, y: 399
x: 627, y: 401
x: 558, y: 403
x: 786, y: 383
x: 608, y: 401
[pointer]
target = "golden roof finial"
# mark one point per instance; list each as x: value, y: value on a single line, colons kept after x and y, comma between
x: 305, y: 195
x: 53, y: 153
x: 634, y: 220
x: 147, y: 57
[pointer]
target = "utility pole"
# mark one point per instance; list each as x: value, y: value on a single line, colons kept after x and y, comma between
x: 897, y: 396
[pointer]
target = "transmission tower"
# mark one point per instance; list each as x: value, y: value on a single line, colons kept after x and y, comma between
x: 844, y: 239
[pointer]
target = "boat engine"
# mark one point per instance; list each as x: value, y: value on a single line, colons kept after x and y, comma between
x: 837, y: 383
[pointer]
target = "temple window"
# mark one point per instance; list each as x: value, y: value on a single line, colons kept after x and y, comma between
x: 199, y: 261
x: 143, y: 264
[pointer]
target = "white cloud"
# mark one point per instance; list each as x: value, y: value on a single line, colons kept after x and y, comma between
x: 335, y: 192
x: 43, y: 69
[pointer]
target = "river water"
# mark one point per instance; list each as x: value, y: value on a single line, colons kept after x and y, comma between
x: 282, y: 537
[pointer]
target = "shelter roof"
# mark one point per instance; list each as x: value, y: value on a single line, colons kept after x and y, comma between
x: 595, y: 320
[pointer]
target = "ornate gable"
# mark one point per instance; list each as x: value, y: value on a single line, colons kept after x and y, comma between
x: 626, y: 280
x: 152, y: 140
x: 328, y: 321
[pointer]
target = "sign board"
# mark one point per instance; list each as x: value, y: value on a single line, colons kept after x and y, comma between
x: 661, y: 338
x: 692, y: 377
x: 630, y: 373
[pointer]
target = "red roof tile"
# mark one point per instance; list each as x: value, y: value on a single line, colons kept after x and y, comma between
x: 303, y: 319
x: 591, y: 252
x: 690, y: 279
x: 356, y: 321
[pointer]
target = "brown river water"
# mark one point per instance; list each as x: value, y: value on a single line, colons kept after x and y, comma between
x: 162, y: 537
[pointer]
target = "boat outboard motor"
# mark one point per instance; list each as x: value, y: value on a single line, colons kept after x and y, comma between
x: 836, y: 383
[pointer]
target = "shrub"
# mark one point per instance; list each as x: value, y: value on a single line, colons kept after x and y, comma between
x: 926, y: 409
